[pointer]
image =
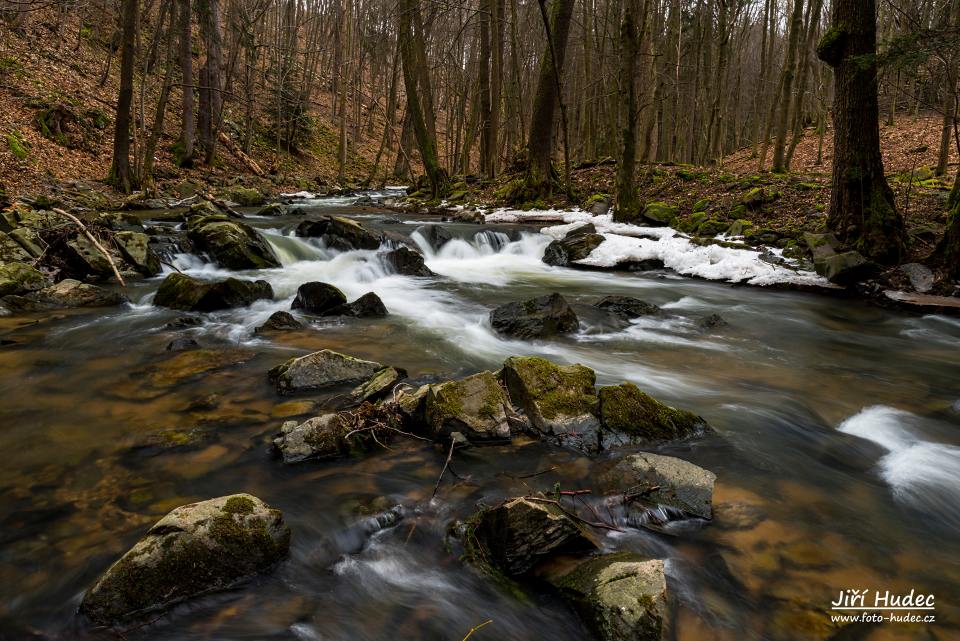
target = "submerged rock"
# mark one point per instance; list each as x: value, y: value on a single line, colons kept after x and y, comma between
x: 539, y: 317
x: 179, y: 291
x: 406, y: 261
x: 434, y: 235
x: 519, y: 533
x: 627, y: 307
x: 339, y: 233
x: 318, y: 298
x: 712, y: 321
x: 558, y: 400
x: 663, y: 480
x: 475, y: 406
x: 367, y: 306
x: 279, y: 322
x: 627, y: 410
x: 231, y: 244
x: 621, y: 597
x: 570, y: 249
x: 322, y: 369
x: 20, y: 278
x: 66, y: 293
x: 195, y: 549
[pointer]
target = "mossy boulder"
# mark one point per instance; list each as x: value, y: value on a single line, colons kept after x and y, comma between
x: 135, y: 248
x: 379, y: 386
x: 627, y: 307
x: 739, y: 227
x: 318, y: 298
x: 689, y: 224
x: 475, y: 406
x: 701, y: 205
x: 11, y: 251
x: 195, y: 549
x: 341, y: 234
x: 711, y: 227
x: 570, y: 249
x: 821, y: 245
x: 179, y: 291
x: 66, y: 293
x: 658, y: 213
x: 754, y: 198
x: 29, y: 240
x: 626, y: 410
x: 540, y: 317
x: 230, y: 243
x: 318, y: 438
x: 320, y: 370
x: 598, y: 204
x: 20, y: 278
x: 621, y: 597
x: 273, y: 209
x: 247, y: 196
x: 663, y: 480
x: 559, y: 400
x: 519, y: 533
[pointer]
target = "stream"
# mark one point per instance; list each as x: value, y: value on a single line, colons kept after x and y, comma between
x: 837, y: 451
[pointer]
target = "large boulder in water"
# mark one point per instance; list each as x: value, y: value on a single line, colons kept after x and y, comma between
x: 279, y: 322
x: 66, y: 293
x: 179, y: 291
x: 230, y: 243
x: 318, y: 298
x: 626, y: 410
x: 367, y: 306
x: 663, y: 480
x: 320, y: 370
x: 627, y: 307
x: 475, y: 406
x: 571, y: 248
x: 195, y: 549
x: 621, y: 597
x: 434, y: 235
x: 339, y: 233
x: 519, y: 533
x: 559, y: 401
x: 539, y: 317
x: 135, y: 248
x: 318, y: 438
x: 405, y: 261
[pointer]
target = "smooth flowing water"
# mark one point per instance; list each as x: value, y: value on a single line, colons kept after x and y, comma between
x: 837, y: 454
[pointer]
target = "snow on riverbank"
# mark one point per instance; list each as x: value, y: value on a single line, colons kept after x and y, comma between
x: 633, y: 243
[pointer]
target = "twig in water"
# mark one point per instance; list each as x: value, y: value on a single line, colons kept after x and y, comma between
x: 95, y: 242
x: 476, y: 627
x: 573, y: 515
x: 446, y: 464
x: 530, y: 476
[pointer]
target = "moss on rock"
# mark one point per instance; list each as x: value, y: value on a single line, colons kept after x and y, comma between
x: 626, y: 409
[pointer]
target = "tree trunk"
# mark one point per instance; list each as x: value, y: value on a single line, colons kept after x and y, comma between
x: 540, y: 179
x: 862, y: 208
x: 120, y: 174
x: 627, y: 202
x: 487, y: 146
x: 786, y: 86
x: 186, y: 73
x: 947, y: 253
x: 214, y: 39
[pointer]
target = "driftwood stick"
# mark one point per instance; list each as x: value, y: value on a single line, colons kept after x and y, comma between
x: 95, y: 242
x: 446, y: 464
x: 477, y: 627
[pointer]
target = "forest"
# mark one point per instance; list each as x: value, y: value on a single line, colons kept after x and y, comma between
x: 619, y: 320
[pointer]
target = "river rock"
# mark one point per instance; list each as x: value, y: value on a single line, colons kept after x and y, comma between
x: 120, y: 221
x: 20, y: 278
x: 599, y: 205
x: 247, y: 196
x: 367, y: 306
x: 273, y: 209
x: 821, y: 245
x: 85, y: 260
x: 711, y: 322
x: 539, y: 317
x: 182, y: 343
x: 558, y: 400
x: 318, y: 298
x: 66, y: 293
x: 570, y: 249
x: 320, y: 438
x: 406, y: 261
x: 434, y: 235
x: 626, y: 410
x: 921, y: 278
x: 230, y: 243
x: 663, y: 480
x: 627, y: 307
x: 29, y: 240
x: 519, y: 533
x: 195, y: 549
x: 475, y: 406
x: 339, y: 233
x: 322, y: 369
x: 179, y: 291
x: 379, y: 386
x: 280, y: 322
x: 11, y: 251
x: 621, y: 597
x: 658, y: 213
x: 847, y: 268
x: 135, y: 248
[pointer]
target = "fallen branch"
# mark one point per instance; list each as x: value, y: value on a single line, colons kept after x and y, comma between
x: 574, y: 515
x: 234, y: 149
x: 476, y: 627
x: 95, y: 242
x: 233, y: 213
x: 446, y: 464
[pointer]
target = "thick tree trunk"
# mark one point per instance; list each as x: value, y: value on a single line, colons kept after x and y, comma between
x: 487, y: 145
x: 214, y: 78
x: 540, y: 142
x: 186, y: 72
x: 862, y: 208
x: 786, y: 87
x: 627, y: 202
x: 120, y: 174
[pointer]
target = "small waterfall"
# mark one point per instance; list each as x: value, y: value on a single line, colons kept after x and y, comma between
x: 490, y: 242
x: 292, y: 249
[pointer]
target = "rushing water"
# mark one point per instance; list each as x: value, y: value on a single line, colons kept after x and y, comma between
x: 838, y: 455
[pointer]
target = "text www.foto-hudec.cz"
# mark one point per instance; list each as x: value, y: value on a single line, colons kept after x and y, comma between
x: 879, y: 606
